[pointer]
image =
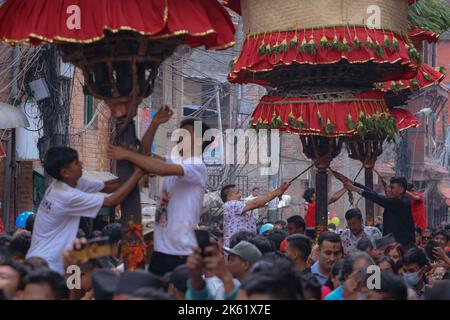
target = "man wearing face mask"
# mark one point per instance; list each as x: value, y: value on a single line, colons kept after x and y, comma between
x: 415, y: 264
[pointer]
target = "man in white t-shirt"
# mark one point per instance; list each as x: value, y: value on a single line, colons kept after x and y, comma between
x: 68, y: 198
x: 183, y: 191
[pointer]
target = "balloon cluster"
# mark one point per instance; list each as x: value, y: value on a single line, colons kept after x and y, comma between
x: 333, y: 219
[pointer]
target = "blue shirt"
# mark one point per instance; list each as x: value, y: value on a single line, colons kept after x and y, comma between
x: 335, y: 294
x: 315, y: 271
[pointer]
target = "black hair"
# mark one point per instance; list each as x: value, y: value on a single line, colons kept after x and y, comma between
x: 349, y: 261
x: 5, y: 239
x: 418, y: 229
x: 400, y: 181
x: 20, y: 269
x: 282, y: 222
x: 224, y: 192
x: 55, y: 281
x: 179, y: 278
x: 282, y: 282
x: 334, y: 272
x: 331, y: 226
x: 298, y: 221
x: 277, y: 238
x: 113, y: 231
x: 262, y: 243
x: 415, y: 255
x: 307, y: 195
x: 442, y: 232
x: 81, y: 233
x: 29, y: 225
x: 255, y: 188
x: 329, y: 236
x: 20, y: 244
x: 392, y: 286
x: 267, y: 261
x: 57, y: 158
x: 364, y: 244
x: 149, y: 293
x: 388, y: 260
x: 353, y: 213
x: 312, y: 289
x: 301, y: 243
x: 35, y: 263
x: 191, y: 122
x: 410, y: 186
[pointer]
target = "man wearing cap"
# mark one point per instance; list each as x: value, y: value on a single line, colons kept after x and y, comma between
x: 241, y: 258
x: 237, y: 212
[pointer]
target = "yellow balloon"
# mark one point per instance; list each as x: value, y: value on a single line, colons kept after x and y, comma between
x: 336, y: 221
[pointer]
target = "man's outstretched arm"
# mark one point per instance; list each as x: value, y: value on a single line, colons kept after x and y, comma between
x: 262, y: 200
x: 149, y: 164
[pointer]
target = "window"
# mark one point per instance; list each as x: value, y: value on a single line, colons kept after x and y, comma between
x: 88, y: 108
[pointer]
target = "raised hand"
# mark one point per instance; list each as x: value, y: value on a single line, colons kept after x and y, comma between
x: 163, y: 115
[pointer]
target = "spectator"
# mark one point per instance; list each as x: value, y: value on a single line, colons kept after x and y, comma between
x: 282, y: 282
x: 298, y: 249
x: 114, y: 232
x: 312, y: 290
x: 392, y: 287
x: 12, y: 276
x: 353, y: 264
x: 150, y: 294
x: 439, y: 291
x: 333, y: 281
x: 130, y: 281
x: 414, y: 265
x: 35, y: 263
x: 442, y: 237
x: 418, y: 236
x: 386, y: 264
x: 262, y: 243
x: 19, y: 246
x: 330, y: 250
x: 296, y: 224
x: 280, y: 225
x: 277, y: 237
x: 237, y: 212
x: 395, y: 251
x: 241, y: 258
x: 427, y: 235
x: 365, y: 245
x: 436, y: 274
x: 29, y: 225
x: 357, y: 231
x: 310, y: 217
x: 45, y: 284
x: 178, y: 282
x: 418, y: 210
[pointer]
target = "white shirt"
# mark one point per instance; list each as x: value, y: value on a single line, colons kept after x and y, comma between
x: 216, y: 288
x: 58, y: 219
x: 183, y: 210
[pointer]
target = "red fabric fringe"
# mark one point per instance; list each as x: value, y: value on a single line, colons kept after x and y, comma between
x: 39, y: 21
x: 424, y: 35
x: 250, y: 61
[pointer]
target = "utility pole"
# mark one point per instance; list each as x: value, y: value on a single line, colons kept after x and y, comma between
x: 10, y: 164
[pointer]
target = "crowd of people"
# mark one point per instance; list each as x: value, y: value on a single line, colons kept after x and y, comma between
x: 398, y: 259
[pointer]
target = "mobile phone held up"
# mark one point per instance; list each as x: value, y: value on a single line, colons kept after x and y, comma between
x: 202, y: 239
x: 95, y: 248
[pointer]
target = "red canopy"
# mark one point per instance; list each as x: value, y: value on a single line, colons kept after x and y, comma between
x: 203, y: 22
x: 404, y: 119
x: 263, y: 53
